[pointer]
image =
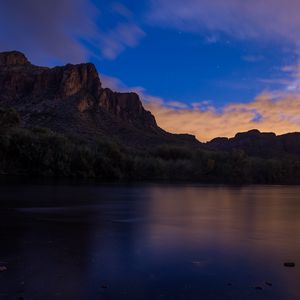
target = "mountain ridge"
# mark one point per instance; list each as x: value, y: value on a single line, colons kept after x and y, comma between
x: 70, y: 99
x: 61, y: 122
x: 261, y: 144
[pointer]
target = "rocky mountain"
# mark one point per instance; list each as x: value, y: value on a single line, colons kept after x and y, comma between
x: 86, y: 119
x: 71, y: 100
x: 256, y: 143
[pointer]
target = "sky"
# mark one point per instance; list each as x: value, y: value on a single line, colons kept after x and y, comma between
x: 206, y: 67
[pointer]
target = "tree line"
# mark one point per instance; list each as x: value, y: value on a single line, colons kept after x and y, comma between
x: 40, y: 152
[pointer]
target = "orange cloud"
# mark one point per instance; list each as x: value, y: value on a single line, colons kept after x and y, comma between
x: 274, y: 111
x: 269, y: 112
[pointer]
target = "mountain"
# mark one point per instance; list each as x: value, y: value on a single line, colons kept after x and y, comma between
x: 259, y: 144
x: 61, y: 122
x: 71, y: 100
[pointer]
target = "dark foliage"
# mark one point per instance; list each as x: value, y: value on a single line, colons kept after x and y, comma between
x: 41, y: 152
x: 8, y: 118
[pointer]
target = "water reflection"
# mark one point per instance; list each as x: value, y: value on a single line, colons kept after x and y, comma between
x: 149, y: 242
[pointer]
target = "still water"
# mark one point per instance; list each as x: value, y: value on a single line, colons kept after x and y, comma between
x: 149, y: 242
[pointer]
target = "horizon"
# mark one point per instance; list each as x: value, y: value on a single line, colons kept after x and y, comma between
x: 137, y: 92
x: 210, y: 74
x: 150, y: 149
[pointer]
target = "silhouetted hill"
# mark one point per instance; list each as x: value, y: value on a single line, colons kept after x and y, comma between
x: 71, y: 100
x: 61, y: 122
x: 256, y: 143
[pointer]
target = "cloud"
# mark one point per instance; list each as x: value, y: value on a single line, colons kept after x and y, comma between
x: 58, y: 31
x: 238, y: 18
x: 263, y: 21
x: 252, y: 58
x: 123, y: 33
x: 211, y: 39
x: 121, y: 9
x: 118, y: 85
x: 278, y: 113
x: 46, y: 29
x: 119, y: 38
x: 293, y: 72
x: 113, y: 83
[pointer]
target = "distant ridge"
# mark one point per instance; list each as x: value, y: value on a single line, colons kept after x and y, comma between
x: 260, y: 144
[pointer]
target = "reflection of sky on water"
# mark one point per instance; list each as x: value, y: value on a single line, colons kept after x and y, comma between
x: 154, y: 242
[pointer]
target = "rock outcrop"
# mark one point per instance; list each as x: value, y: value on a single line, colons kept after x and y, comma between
x: 13, y: 58
x: 71, y: 99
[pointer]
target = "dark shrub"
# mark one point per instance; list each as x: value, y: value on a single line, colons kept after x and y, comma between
x: 8, y: 118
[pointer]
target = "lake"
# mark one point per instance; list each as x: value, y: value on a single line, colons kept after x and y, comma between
x: 149, y: 242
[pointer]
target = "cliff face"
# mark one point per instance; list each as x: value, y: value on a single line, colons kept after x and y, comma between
x: 71, y: 99
x: 21, y: 80
x: 126, y: 106
x: 13, y: 58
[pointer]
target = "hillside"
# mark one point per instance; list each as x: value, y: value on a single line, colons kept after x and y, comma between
x: 61, y: 122
x: 71, y: 100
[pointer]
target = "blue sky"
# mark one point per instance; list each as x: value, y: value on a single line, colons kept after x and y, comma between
x: 204, y: 63
x: 185, y: 67
x: 191, y: 66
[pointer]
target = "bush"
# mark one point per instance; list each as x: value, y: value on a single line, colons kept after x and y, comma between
x: 8, y: 118
x: 42, y: 152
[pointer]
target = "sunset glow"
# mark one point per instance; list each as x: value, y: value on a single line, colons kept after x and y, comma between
x: 201, y: 67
